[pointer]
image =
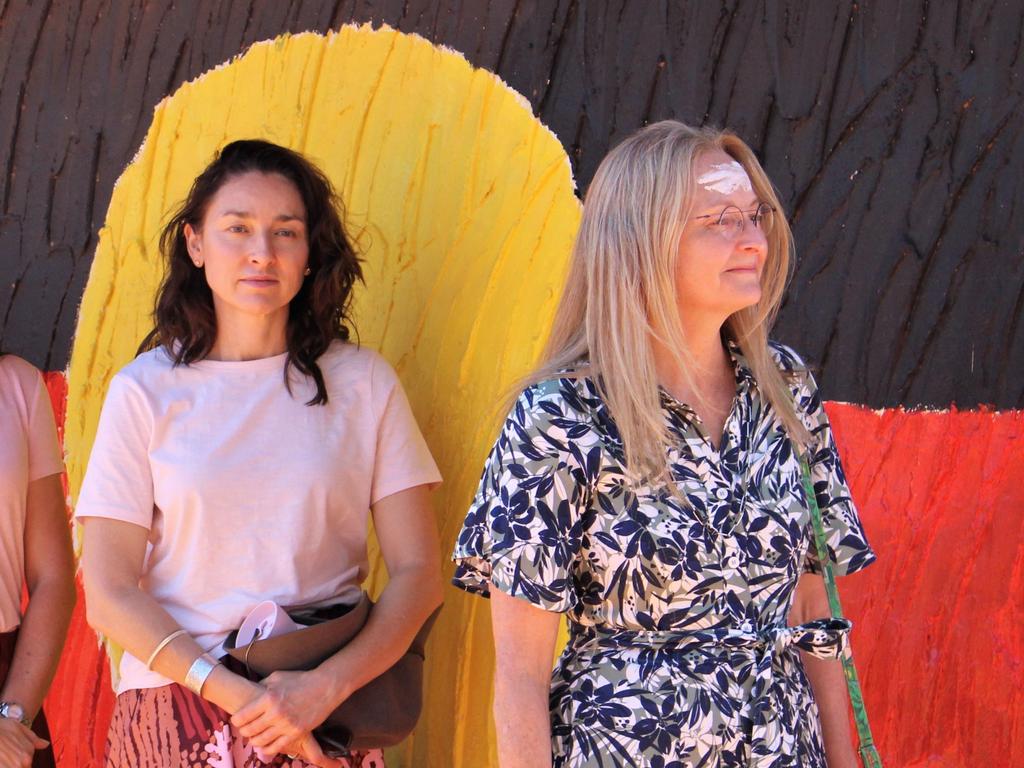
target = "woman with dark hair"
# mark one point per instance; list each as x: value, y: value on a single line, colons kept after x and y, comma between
x: 35, y: 553
x: 237, y: 460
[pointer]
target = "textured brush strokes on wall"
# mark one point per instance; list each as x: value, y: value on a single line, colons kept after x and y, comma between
x: 937, y: 619
x: 893, y: 131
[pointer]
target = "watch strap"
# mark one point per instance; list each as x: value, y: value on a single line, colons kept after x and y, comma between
x: 13, y: 711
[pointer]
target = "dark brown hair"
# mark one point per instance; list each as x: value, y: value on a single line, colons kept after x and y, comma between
x: 184, y: 318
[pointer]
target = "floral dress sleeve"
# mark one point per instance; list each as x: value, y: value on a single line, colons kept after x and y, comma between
x: 523, y: 531
x: 847, y: 544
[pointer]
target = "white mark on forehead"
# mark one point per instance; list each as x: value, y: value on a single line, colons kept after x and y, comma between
x: 725, y: 178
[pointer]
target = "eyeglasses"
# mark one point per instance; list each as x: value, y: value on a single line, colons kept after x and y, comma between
x: 731, y: 222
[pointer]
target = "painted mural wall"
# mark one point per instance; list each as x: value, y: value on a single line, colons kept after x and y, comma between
x: 460, y: 135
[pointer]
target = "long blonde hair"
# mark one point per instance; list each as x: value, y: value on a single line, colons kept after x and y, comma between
x: 620, y: 289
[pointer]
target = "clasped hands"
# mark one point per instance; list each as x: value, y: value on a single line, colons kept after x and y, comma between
x: 282, y: 717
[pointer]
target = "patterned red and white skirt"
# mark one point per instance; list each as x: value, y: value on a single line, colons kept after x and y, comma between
x: 171, y: 727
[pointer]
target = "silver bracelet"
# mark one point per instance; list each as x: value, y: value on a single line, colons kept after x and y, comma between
x: 163, y: 644
x: 199, y: 672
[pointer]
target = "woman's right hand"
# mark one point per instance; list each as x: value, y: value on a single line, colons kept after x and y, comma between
x: 306, y: 747
x: 17, y: 744
x: 292, y: 704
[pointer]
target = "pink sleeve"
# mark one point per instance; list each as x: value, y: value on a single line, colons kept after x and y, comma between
x: 118, y: 480
x: 402, y: 459
x: 44, y: 457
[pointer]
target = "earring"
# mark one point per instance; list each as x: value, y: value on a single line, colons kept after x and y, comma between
x: 307, y: 272
x: 198, y: 263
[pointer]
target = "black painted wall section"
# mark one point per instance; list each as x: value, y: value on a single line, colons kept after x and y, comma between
x: 894, y: 131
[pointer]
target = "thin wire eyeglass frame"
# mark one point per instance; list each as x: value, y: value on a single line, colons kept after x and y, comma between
x: 761, y: 217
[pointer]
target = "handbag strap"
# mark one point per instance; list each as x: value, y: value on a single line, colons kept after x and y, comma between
x: 866, y: 747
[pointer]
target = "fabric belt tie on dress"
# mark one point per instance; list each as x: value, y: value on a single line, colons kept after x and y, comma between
x: 822, y: 638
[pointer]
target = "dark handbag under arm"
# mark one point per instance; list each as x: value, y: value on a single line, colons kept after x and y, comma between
x: 381, y: 713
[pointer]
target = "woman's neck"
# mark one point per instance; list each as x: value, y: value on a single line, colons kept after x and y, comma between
x: 711, y: 369
x: 251, y: 340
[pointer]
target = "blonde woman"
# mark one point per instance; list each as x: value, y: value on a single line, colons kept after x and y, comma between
x: 646, y: 484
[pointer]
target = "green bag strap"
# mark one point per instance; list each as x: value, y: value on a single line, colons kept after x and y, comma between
x: 868, y: 753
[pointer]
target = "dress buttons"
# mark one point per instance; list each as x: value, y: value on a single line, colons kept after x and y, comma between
x: 722, y: 494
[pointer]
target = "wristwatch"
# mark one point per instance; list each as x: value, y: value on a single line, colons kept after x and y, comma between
x: 14, y: 711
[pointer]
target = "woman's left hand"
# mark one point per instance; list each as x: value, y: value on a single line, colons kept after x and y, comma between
x: 310, y: 751
x: 293, y: 705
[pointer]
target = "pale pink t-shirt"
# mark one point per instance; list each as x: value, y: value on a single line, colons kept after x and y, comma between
x: 28, y: 451
x: 248, y: 493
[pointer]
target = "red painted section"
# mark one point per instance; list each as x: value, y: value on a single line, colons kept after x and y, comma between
x: 940, y: 617
x: 939, y: 635
x: 57, y: 387
x: 81, y: 701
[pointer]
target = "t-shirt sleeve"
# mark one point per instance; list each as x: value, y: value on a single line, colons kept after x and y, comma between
x: 44, y: 457
x: 402, y: 457
x: 119, y: 480
x: 524, y: 528
x: 847, y: 543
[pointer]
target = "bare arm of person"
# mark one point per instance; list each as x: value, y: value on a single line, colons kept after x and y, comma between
x: 112, y: 558
x: 297, y: 702
x: 50, y: 579
x: 826, y: 676
x: 113, y: 552
x: 524, y: 644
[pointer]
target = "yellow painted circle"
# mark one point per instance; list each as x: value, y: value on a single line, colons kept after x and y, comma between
x: 464, y: 207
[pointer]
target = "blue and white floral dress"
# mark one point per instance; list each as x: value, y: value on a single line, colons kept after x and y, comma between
x: 678, y: 653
